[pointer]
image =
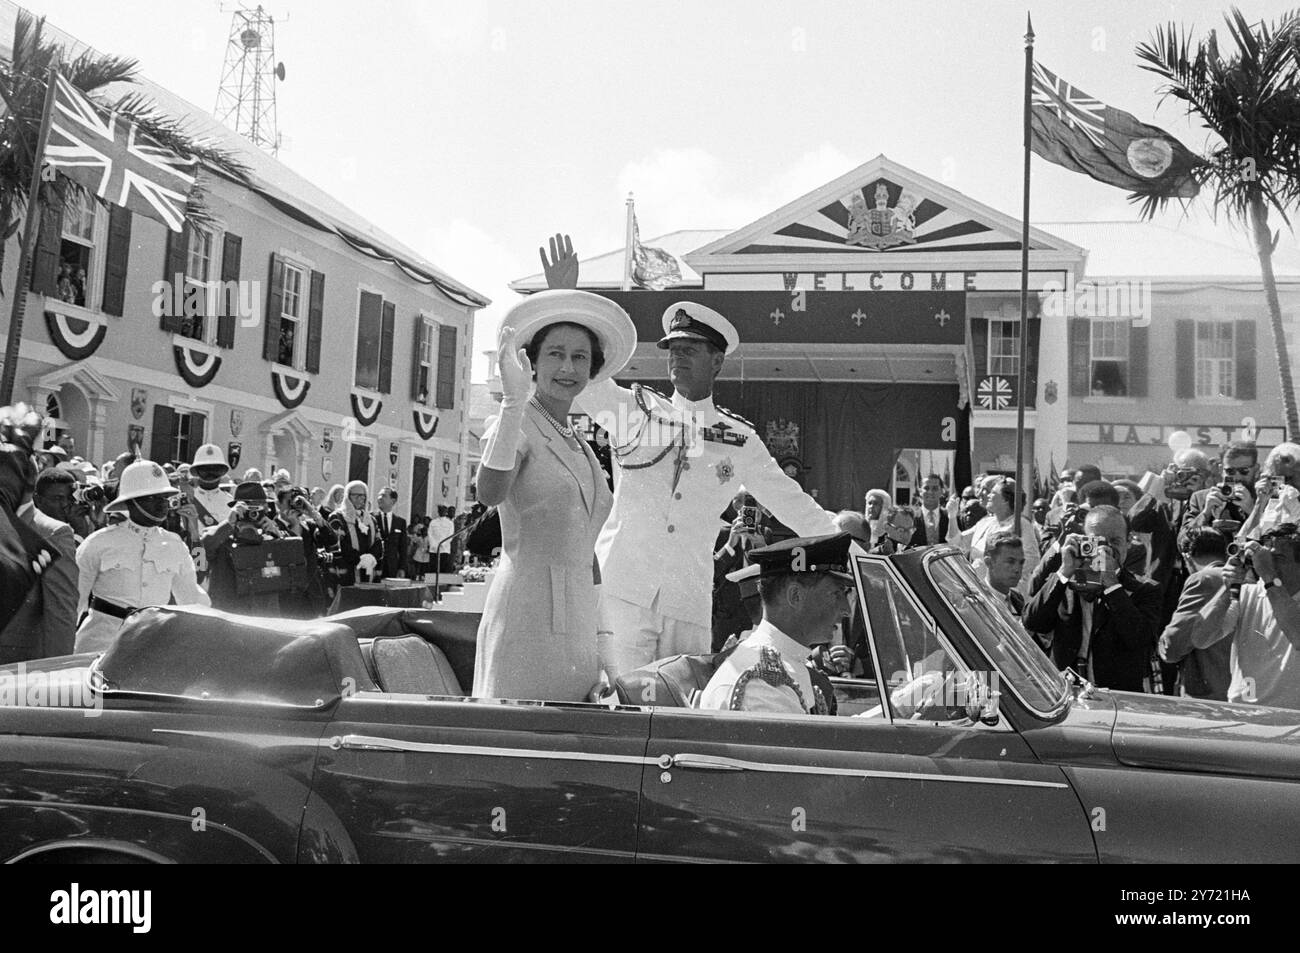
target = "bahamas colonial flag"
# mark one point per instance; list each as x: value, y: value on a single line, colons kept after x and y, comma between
x: 110, y: 156
x: 1082, y: 133
x: 652, y: 268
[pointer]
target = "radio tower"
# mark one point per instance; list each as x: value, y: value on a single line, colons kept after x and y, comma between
x: 246, y: 97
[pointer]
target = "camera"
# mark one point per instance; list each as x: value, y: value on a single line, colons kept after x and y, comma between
x: 750, y: 515
x: 89, y: 495
x: 1184, y: 483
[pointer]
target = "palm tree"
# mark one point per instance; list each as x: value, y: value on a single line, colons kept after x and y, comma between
x: 22, y: 88
x: 1249, y: 98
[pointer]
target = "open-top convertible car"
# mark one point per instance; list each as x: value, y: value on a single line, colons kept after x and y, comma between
x: 207, y: 737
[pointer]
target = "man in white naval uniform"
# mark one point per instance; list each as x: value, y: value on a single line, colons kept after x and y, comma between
x: 679, y: 462
x: 804, y: 585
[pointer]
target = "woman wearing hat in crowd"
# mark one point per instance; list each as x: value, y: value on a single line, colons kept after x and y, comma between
x: 134, y: 563
x: 537, y: 638
x: 333, y: 500
x: 360, y: 546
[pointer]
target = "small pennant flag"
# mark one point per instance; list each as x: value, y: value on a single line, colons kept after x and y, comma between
x: 1083, y: 134
x: 107, y: 154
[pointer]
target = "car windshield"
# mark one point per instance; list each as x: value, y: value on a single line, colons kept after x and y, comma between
x: 1031, y: 673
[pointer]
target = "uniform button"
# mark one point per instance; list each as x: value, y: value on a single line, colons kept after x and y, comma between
x: 686, y: 466
x: 677, y: 496
x: 671, y: 528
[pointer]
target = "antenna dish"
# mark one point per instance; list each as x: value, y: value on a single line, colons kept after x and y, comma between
x: 279, y: 72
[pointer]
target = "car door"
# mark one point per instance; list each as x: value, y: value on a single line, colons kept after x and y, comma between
x: 909, y: 779
x: 417, y: 779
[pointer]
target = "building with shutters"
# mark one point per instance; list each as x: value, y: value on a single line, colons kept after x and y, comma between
x: 879, y: 317
x: 292, y: 333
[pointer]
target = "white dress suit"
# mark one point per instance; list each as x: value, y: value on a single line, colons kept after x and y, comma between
x: 656, y: 548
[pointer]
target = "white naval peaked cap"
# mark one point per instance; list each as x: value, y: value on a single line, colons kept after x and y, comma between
x: 687, y: 319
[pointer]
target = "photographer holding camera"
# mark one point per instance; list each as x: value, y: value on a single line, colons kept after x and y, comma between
x: 1102, y: 619
x: 298, y: 517
x: 249, y: 524
x: 1263, y: 622
x: 1230, y: 501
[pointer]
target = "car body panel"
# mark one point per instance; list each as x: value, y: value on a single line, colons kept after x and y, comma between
x: 415, y: 780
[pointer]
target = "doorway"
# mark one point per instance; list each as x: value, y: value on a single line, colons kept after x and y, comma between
x: 359, y: 463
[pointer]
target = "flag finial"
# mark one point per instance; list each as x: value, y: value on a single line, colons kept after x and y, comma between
x: 1029, y: 29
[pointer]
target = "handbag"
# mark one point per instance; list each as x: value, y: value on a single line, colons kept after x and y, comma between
x: 275, y: 565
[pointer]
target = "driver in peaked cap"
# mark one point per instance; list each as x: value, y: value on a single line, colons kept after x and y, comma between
x: 680, y: 461
x: 805, y: 586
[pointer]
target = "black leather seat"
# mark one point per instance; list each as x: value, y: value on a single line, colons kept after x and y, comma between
x: 672, y: 682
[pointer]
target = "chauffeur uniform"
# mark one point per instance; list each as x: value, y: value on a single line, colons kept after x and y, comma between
x: 679, y: 463
x: 766, y: 672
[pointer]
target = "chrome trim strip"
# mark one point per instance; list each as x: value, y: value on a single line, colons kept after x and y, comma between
x: 697, y: 761
x: 735, y: 764
x: 372, y: 743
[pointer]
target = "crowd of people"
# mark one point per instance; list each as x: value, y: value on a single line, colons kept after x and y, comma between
x: 89, y: 545
x: 1183, y: 582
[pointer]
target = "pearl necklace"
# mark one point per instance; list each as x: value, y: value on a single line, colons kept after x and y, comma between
x: 541, y: 409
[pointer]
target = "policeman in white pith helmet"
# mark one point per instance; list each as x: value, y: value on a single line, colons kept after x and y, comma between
x: 208, y: 507
x: 680, y: 461
x: 134, y: 563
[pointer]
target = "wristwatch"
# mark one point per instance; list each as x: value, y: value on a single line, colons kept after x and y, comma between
x: 1276, y: 581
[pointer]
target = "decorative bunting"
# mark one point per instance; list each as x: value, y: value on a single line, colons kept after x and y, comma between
x: 75, y: 337
x: 426, y: 422
x: 290, y: 391
x: 198, y: 368
x: 366, y: 409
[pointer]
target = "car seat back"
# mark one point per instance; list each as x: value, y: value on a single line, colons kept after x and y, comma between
x: 410, y: 665
x: 673, y: 682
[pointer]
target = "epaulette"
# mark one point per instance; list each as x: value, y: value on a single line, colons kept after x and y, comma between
x: 638, y: 391
x: 769, y: 668
x: 735, y: 416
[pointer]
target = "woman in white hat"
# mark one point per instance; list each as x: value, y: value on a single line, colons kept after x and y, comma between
x: 537, y: 638
x: 134, y: 563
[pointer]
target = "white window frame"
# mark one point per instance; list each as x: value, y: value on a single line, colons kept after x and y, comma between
x: 1220, y: 370
x: 188, y: 413
x: 206, y: 282
x: 428, y: 357
x: 299, y: 319
x: 1014, y: 324
x: 98, y: 253
x: 1122, y: 326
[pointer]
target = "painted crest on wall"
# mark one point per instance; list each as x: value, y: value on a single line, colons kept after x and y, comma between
x: 236, y: 423
x: 139, y: 400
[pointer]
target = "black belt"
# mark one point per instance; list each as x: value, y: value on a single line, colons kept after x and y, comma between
x: 109, y: 608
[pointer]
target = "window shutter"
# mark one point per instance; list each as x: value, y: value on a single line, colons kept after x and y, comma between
x: 386, y: 348
x: 1031, y: 362
x: 232, y: 250
x: 274, y: 305
x: 1080, y: 357
x: 1138, y: 361
x: 116, y: 255
x: 197, y: 422
x: 164, y: 434
x: 1245, y: 348
x: 446, y: 367
x: 315, y: 320
x: 415, y: 360
x: 45, y: 261
x: 178, y: 244
x: 979, y: 339
x: 1185, y: 358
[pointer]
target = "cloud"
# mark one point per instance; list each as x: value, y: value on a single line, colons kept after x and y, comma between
x: 471, y: 255
x: 690, y: 187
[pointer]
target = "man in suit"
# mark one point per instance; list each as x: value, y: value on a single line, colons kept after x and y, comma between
x: 932, y: 526
x: 392, y: 530
x: 1004, y: 555
x: 1107, y: 635
x: 1207, y: 672
x: 44, y: 617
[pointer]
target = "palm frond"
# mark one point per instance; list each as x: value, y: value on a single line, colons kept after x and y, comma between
x: 175, y: 135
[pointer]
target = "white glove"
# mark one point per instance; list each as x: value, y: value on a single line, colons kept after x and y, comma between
x: 366, y: 562
x: 516, y: 369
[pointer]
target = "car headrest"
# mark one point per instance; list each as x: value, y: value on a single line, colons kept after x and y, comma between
x: 668, y: 683
x: 207, y: 654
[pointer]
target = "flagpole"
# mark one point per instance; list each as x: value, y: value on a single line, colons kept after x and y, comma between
x: 14, y: 342
x: 1024, y: 288
x: 627, y: 246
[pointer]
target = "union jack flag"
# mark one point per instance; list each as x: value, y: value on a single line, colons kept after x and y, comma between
x: 994, y: 393
x: 108, y: 155
x: 1072, y: 106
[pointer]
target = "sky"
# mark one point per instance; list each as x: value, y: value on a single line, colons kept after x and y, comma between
x: 470, y: 131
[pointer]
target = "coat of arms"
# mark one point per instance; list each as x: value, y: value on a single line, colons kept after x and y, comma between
x: 1049, y: 392
x: 782, y: 439
x: 236, y: 423
x: 882, y: 226
x: 327, y: 440
x: 233, y: 450
x: 135, y: 437
x: 392, y: 453
x: 139, y: 398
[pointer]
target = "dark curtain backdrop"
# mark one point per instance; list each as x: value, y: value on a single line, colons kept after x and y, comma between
x: 849, y: 434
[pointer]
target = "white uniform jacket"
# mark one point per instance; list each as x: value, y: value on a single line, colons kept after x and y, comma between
x: 767, y: 671
x: 678, y: 463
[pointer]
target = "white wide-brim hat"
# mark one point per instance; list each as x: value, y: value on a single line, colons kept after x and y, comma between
x: 605, y: 319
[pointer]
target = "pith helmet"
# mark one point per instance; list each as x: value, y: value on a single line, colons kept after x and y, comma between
x: 210, y: 455
x: 142, y: 478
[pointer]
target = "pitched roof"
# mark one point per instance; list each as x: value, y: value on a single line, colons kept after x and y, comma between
x: 268, y: 176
